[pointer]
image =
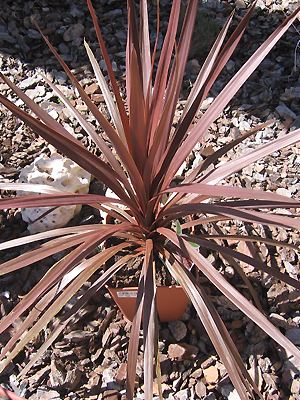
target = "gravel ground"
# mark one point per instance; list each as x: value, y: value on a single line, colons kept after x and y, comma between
x: 89, y: 361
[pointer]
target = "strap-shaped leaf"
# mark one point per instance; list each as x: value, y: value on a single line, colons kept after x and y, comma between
x: 241, y: 214
x: 197, y: 132
x: 38, y: 111
x: 58, y: 271
x: 123, y: 115
x: 145, y: 47
x: 120, y: 147
x: 209, y: 244
x: 49, y: 234
x: 223, y: 344
x: 80, y: 302
x: 91, y: 266
x: 72, y: 149
x: 229, y: 191
x: 48, y: 249
x: 160, y: 82
x: 237, y: 164
x: 229, y: 291
x: 149, y: 317
x: 111, y: 106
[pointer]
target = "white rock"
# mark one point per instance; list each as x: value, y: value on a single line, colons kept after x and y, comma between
x: 235, y: 122
x: 197, y: 161
x: 53, y: 114
x: 29, y: 82
x: 182, y: 395
x: 206, y: 103
x: 291, y: 269
x: 296, y: 320
x: 45, y: 394
x: 61, y: 173
x: 108, y: 377
x: 244, y: 126
x: 283, y: 192
x: 38, y: 91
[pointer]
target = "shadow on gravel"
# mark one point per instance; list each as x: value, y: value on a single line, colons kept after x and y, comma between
x: 66, y: 23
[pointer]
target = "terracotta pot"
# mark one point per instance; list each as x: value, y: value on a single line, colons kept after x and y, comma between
x: 6, y: 394
x: 171, y: 302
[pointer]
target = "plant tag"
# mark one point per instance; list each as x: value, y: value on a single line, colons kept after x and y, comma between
x: 127, y: 293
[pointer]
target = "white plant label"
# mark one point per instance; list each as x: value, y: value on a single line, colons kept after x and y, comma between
x: 127, y: 293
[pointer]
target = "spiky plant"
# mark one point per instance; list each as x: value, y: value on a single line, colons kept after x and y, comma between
x: 141, y: 160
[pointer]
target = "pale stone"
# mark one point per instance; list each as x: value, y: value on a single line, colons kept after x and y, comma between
x: 284, y: 192
x: 62, y: 174
x: 29, y: 82
x: 182, y: 395
x: 211, y: 374
x: 38, y: 91
x: 200, y: 389
x: 182, y: 351
x: 295, y: 388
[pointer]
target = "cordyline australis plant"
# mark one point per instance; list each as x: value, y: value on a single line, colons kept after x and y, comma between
x: 141, y: 159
